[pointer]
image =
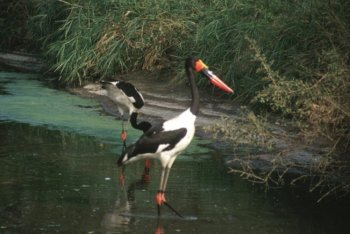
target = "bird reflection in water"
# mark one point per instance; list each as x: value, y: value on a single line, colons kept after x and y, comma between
x: 122, y: 217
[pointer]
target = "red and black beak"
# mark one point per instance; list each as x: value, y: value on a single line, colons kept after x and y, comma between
x: 214, y: 79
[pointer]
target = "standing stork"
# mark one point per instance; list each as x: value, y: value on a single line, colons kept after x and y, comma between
x: 129, y: 100
x: 167, y: 140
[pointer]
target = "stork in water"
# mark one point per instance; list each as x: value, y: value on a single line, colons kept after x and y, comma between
x: 167, y: 140
x: 128, y: 100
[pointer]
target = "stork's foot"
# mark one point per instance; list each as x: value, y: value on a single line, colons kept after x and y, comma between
x: 160, y: 199
x: 160, y: 230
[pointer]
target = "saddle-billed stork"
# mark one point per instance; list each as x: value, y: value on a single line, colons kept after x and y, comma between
x: 167, y: 140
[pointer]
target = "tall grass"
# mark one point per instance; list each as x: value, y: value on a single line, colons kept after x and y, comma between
x: 97, y: 39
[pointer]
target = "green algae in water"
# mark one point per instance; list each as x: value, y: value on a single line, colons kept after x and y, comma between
x: 29, y: 101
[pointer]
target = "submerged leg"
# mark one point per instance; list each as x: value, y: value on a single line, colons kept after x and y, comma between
x: 146, y: 174
x: 122, y: 177
x: 160, y: 198
x: 122, y: 172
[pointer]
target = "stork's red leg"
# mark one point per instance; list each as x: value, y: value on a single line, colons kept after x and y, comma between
x: 124, y: 135
x: 124, y: 131
x: 146, y: 178
x: 122, y: 177
x: 159, y: 230
x: 148, y: 163
x: 160, y: 199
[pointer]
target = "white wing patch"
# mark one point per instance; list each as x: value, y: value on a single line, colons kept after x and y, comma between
x: 132, y: 99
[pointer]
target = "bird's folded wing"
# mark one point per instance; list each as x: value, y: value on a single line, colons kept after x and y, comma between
x: 158, y: 142
x: 132, y: 93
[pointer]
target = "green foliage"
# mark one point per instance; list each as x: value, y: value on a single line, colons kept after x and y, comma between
x: 97, y: 38
x: 324, y: 103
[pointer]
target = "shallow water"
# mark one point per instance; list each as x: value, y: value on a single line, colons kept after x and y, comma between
x: 58, y: 174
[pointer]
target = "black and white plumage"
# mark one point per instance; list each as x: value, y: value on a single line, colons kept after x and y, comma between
x: 125, y: 95
x: 167, y: 140
x: 129, y: 100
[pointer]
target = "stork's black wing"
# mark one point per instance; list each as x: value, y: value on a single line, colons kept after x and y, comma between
x: 131, y: 91
x: 153, y: 141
